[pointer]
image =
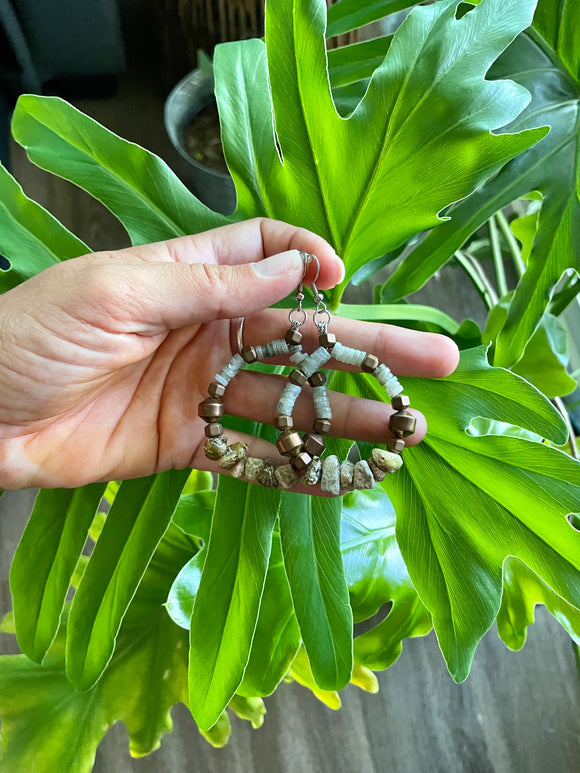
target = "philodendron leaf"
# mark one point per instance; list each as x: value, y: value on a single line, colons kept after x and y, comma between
x: 427, y: 108
x: 347, y: 15
x: 136, y: 185
x: 30, y: 237
x: 48, y: 725
x: 227, y: 602
x: 465, y: 502
x: 545, y: 61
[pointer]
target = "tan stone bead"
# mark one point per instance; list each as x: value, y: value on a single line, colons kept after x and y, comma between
x: 312, y: 473
x: 286, y: 476
x: 313, y: 444
x: 249, y: 354
x: 400, y: 402
x: 237, y: 471
x: 378, y: 474
x: 317, y: 379
x: 211, y: 409
x: 330, y: 480
x: 362, y: 477
x: 346, y: 475
x: 216, y: 390
x: 293, y: 337
x: 283, y: 422
x: 233, y: 454
x: 322, y: 426
x: 396, y: 445
x: 215, y: 448
x: 386, y: 460
x: 327, y: 340
x: 267, y: 475
x: 213, y: 430
x: 301, y: 461
x: 297, y: 377
x: 289, y: 443
x: 402, y: 424
x: 370, y: 363
x: 254, y: 467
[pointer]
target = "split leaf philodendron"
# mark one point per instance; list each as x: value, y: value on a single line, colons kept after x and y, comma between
x: 433, y: 131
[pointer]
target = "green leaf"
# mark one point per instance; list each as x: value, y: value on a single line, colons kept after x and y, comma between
x: 349, y: 64
x: 52, y: 543
x: 348, y: 15
x: 30, y: 237
x: 48, y: 725
x: 193, y: 513
x: 399, y: 312
x: 138, y: 518
x: 376, y: 574
x: 310, y: 536
x: 523, y: 589
x: 136, y: 185
x: 228, y: 599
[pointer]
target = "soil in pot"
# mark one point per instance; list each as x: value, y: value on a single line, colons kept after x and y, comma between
x: 202, y: 139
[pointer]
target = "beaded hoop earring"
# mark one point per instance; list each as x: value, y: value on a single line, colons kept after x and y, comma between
x: 305, y: 451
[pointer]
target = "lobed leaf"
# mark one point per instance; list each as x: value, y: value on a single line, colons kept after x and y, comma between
x: 348, y: 15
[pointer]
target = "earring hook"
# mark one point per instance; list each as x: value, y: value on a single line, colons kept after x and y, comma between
x: 307, y: 258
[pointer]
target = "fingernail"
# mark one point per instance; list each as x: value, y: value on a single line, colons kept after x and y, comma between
x: 279, y: 265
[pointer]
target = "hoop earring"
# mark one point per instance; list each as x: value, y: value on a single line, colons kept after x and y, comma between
x: 305, y: 451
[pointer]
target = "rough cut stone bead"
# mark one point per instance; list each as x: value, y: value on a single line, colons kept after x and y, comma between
x: 400, y: 402
x: 322, y: 426
x: 289, y: 443
x: 301, y: 461
x: 267, y: 475
x: 254, y: 467
x: 317, y: 379
x: 378, y: 474
x: 283, y: 422
x: 313, y: 444
x: 386, y: 460
x: 297, y: 377
x: 396, y: 445
x: 211, y: 409
x: 330, y: 480
x: 346, y: 475
x: 363, y: 477
x: 370, y: 363
x: 233, y: 454
x: 286, y: 475
x: 249, y: 354
x: 213, y: 430
x: 402, y: 424
x: 312, y: 473
x: 327, y: 340
x: 216, y: 447
x: 237, y: 471
x: 293, y: 337
x: 216, y: 390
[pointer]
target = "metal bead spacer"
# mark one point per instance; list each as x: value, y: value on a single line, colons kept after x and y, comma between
x: 214, y: 430
x: 396, y: 445
x: 327, y: 340
x: 249, y: 354
x: 283, y: 422
x: 370, y: 363
x: 321, y: 426
x: 211, y: 409
x: 402, y: 424
x: 293, y: 337
x: 301, y: 461
x: 297, y: 377
x: 216, y: 390
x: 289, y: 443
x: 400, y: 402
x: 313, y: 444
x: 317, y: 379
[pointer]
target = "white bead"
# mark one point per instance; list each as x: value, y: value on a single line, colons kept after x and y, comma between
x: 288, y: 398
x: 298, y: 358
x: 221, y: 380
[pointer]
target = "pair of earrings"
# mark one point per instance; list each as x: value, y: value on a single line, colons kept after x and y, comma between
x: 305, y: 451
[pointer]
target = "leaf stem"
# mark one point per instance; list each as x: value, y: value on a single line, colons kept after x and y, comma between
x: 502, y: 287
x: 559, y: 405
x: 512, y: 243
x: 475, y: 272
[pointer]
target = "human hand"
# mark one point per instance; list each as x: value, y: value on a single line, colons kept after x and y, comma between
x: 106, y: 357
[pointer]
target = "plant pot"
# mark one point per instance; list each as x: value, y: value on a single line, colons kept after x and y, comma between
x: 185, y: 101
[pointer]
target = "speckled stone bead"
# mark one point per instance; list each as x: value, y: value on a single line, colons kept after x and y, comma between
x: 213, y: 430
x: 317, y: 379
x: 346, y: 475
x: 249, y: 354
x: 313, y: 444
x: 400, y: 402
x: 301, y: 461
x: 215, y: 448
x: 237, y: 471
x: 216, y: 390
x: 233, y: 454
x: 378, y: 474
x: 267, y: 475
x: 402, y: 424
x: 286, y: 475
x: 293, y: 337
x: 386, y: 460
x: 283, y: 422
x: 321, y: 426
x: 312, y: 473
x: 330, y: 480
x: 363, y: 477
x: 289, y: 443
x: 370, y: 363
x: 396, y: 445
x: 254, y: 467
x: 211, y: 409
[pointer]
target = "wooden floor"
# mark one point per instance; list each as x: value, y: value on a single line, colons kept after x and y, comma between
x: 517, y: 713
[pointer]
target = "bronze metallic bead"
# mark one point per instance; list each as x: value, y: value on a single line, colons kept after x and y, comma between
x: 313, y: 444
x: 297, y: 377
x: 301, y: 461
x: 396, y: 445
x: 283, y: 422
x: 317, y: 379
x: 214, y: 430
x: 216, y: 390
x: 400, y: 402
x: 402, y: 424
x: 249, y: 354
x: 293, y: 337
x: 327, y: 340
x: 289, y: 443
x: 370, y: 363
x: 211, y: 409
x: 321, y: 426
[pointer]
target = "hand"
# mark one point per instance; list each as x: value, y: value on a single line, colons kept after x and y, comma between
x: 106, y: 357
